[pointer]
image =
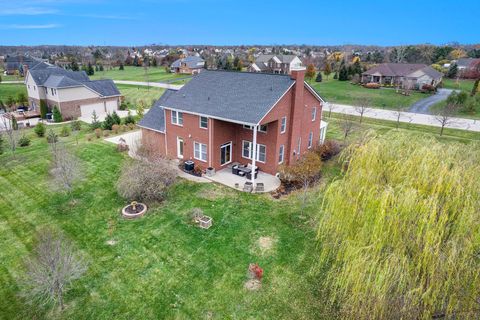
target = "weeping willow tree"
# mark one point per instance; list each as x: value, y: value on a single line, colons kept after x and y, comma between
x: 400, y: 231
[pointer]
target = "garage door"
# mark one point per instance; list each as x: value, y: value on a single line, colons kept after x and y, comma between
x: 112, y: 106
x: 87, y: 110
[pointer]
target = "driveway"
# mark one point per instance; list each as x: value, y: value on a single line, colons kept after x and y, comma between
x: 423, y: 106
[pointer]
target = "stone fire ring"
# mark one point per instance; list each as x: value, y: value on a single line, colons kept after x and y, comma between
x: 128, y: 215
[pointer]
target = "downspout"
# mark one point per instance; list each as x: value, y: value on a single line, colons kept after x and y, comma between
x: 254, y: 156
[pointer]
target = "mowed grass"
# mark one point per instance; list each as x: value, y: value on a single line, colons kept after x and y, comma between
x: 162, y: 266
x: 154, y: 74
x: 343, y: 92
x: 460, y: 84
x: 135, y: 94
x: 11, y: 90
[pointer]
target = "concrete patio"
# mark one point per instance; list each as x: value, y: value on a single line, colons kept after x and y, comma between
x: 227, y: 178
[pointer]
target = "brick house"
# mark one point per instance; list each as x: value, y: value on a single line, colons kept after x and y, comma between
x: 188, y: 65
x: 281, y: 63
x: 222, y: 117
x: 71, y: 91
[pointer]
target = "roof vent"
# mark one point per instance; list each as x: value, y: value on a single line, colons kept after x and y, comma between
x: 208, y: 98
x: 184, y: 95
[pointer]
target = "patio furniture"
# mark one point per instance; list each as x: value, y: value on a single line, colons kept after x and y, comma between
x: 249, y: 175
x: 235, y: 169
x: 248, y: 186
x: 259, y: 187
x: 241, y: 173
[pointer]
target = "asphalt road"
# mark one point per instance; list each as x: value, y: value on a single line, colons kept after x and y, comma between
x: 423, y: 106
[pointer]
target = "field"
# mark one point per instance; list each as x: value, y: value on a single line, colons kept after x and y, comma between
x: 134, y: 94
x: 11, y: 90
x: 155, y: 74
x: 465, y: 85
x: 343, y: 92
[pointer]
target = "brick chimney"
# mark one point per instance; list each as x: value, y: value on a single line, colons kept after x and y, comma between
x: 296, y: 115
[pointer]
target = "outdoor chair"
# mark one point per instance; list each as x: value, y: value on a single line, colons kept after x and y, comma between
x: 248, y: 187
x: 259, y: 187
x: 235, y: 169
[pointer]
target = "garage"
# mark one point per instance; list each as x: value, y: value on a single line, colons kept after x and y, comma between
x: 112, y: 105
x: 87, y: 110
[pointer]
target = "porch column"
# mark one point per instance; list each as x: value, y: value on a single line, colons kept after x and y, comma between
x: 254, y: 154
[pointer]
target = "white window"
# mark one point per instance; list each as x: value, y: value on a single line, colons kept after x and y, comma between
x: 51, y: 89
x: 283, y: 125
x: 177, y: 118
x: 203, y: 122
x: 200, y: 151
x: 280, y: 154
x: 260, y: 128
x: 310, y: 140
x: 314, y: 113
x: 247, y: 150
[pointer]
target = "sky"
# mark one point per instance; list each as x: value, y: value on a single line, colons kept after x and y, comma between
x: 237, y: 22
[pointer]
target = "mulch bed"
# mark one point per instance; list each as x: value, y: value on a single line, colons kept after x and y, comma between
x: 196, y: 172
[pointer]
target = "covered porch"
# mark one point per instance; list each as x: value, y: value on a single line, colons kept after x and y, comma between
x: 264, y: 181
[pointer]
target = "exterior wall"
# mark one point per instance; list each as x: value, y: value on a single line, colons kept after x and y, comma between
x: 154, y: 141
x: 75, y: 94
x: 33, y: 90
x: 190, y: 132
x: 71, y: 109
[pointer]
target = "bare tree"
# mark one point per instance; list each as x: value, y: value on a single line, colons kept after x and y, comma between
x: 66, y: 167
x: 330, y: 107
x: 346, y: 126
x: 51, y: 269
x: 362, y: 104
x: 444, y: 117
x: 398, y: 114
x: 10, y: 132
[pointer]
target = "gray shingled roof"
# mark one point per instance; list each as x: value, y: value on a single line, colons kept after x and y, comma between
x: 56, y: 77
x: 155, y: 117
x: 402, y: 69
x: 191, y: 61
x: 236, y: 96
x: 284, y: 58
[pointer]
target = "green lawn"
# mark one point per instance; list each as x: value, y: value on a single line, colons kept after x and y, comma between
x: 11, y: 90
x: 465, y: 85
x: 156, y: 74
x: 162, y: 266
x: 10, y: 77
x: 134, y: 94
x: 343, y: 92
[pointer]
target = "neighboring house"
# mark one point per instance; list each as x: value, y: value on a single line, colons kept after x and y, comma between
x: 18, y: 64
x: 71, y: 91
x: 188, y: 65
x: 281, y: 63
x: 222, y: 117
x: 403, y: 74
x: 468, y: 67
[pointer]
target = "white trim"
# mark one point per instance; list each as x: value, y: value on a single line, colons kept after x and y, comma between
x: 282, y: 147
x: 200, y: 122
x: 231, y: 152
x: 199, y: 143
x: 271, y: 108
x: 177, y: 123
x: 250, y: 152
x: 147, y: 128
x: 314, y: 114
x: 310, y: 140
x: 314, y: 92
x: 179, y: 139
x: 281, y: 121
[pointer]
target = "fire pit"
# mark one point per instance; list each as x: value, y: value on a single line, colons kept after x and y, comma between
x: 134, y: 210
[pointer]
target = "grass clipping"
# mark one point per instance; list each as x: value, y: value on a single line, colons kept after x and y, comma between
x: 400, y: 231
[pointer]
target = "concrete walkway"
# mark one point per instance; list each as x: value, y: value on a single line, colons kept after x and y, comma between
x: 11, y: 82
x: 150, y: 84
x: 423, y: 106
x: 407, y: 117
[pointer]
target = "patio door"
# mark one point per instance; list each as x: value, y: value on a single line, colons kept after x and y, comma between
x: 226, y: 153
x: 179, y: 147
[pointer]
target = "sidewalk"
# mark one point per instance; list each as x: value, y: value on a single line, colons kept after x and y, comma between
x: 150, y: 84
x: 407, y: 117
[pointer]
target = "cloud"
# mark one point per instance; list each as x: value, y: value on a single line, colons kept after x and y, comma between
x: 30, y: 26
x: 28, y: 11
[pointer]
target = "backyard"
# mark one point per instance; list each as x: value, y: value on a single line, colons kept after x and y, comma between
x: 343, y: 92
x: 11, y: 90
x: 154, y: 74
x: 162, y: 265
